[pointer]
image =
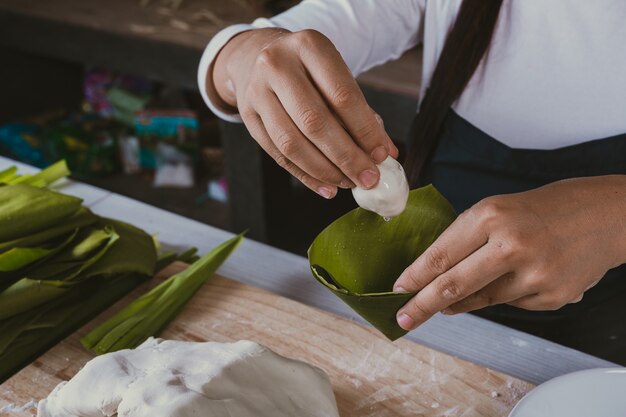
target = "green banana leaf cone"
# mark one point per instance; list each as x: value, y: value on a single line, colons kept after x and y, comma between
x: 360, y: 255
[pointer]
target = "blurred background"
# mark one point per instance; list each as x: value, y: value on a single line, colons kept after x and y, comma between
x: 110, y: 86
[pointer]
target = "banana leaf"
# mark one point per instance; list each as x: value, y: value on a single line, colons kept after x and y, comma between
x: 15, y: 263
x: 152, y: 312
x: 189, y: 256
x: 92, y: 245
x: 360, y: 255
x: 125, y: 249
x: 134, y: 251
x: 7, y: 174
x: 18, y: 258
x: 83, y: 263
x: 83, y: 217
x: 27, y: 336
x: 25, y: 210
x: 43, y: 178
x: 50, y: 280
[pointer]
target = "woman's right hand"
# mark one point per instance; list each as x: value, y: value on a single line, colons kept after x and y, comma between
x: 300, y: 102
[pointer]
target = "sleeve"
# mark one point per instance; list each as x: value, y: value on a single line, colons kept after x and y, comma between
x: 366, y: 33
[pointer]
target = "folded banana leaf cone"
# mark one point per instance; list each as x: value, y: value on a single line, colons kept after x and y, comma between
x: 360, y: 255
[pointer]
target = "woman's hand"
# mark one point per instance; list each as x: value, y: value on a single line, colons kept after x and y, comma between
x: 300, y: 102
x: 537, y: 250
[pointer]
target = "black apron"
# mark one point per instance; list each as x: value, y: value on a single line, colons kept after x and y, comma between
x: 469, y: 165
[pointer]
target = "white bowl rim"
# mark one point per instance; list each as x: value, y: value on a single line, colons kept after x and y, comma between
x: 558, y: 379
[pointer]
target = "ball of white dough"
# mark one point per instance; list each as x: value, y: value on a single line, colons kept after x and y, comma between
x: 388, y: 198
x: 168, y: 378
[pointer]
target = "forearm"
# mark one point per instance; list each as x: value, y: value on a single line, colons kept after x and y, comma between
x: 220, y: 74
x: 612, y: 196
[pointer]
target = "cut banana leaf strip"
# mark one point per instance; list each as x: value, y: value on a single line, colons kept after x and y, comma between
x: 43, y: 178
x: 69, y: 264
x: 27, y: 294
x: 18, y: 258
x: 50, y: 280
x: 360, y: 255
x: 152, y: 312
x: 25, y: 210
x: 134, y: 251
x: 189, y: 256
x: 82, y: 218
x: 10, y: 277
x: 35, y: 333
x: 7, y: 174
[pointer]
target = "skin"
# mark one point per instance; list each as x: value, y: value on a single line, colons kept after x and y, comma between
x: 302, y: 105
x: 536, y: 250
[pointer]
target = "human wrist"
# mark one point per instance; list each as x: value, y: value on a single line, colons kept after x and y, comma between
x: 236, y: 58
x: 222, y: 79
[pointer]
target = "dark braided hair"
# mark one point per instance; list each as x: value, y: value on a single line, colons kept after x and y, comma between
x: 466, y: 44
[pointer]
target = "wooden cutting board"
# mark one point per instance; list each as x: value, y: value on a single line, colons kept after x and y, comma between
x: 371, y: 376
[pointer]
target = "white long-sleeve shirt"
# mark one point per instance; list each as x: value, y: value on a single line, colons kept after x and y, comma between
x: 555, y: 74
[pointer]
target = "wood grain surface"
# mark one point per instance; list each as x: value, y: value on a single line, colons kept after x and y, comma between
x: 370, y: 375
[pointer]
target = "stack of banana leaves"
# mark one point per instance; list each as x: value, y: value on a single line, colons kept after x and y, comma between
x: 60, y: 264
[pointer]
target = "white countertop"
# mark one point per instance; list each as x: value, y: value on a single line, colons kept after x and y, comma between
x: 477, y: 340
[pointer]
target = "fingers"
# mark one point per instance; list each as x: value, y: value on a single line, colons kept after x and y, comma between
x: 546, y: 301
x: 341, y: 91
x: 463, y: 237
x: 258, y: 132
x: 394, y: 152
x: 307, y: 109
x: 294, y: 146
x: 523, y: 291
x: 464, y: 279
x: 503, y: 290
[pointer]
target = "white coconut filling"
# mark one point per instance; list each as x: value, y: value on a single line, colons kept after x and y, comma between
x: 388, y: 198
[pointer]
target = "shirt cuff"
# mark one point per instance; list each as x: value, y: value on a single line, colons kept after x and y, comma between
x: 207, y: 90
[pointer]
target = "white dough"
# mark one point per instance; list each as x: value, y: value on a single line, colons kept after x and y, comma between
x: 388, y: 198
x: 166, y: 378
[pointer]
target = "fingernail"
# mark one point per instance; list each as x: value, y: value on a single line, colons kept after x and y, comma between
x: 394, y: 150
x: 346, y: 184
x: 379, y: 154
x: 399, y: 289
x: 325, y: 192
x: 447, y: 312
x: 405, y: 321
x: 368, y: 178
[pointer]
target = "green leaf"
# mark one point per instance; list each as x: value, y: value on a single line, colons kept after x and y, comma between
x: 7, y: 174
x: 25, y: 210
x: 50, y: 280
x: 360, y: 255
x: 152, y: 312
x: 44, y: 177
x: 18, y: 258
x: 54, y: 247
x: 27, y: 294
x: 81, y: 218
x: 135, y: 251
x: 25, y: 337
x: 91, y: 245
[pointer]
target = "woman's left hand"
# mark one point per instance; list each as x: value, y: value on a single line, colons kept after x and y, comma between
x: 536, y: 250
